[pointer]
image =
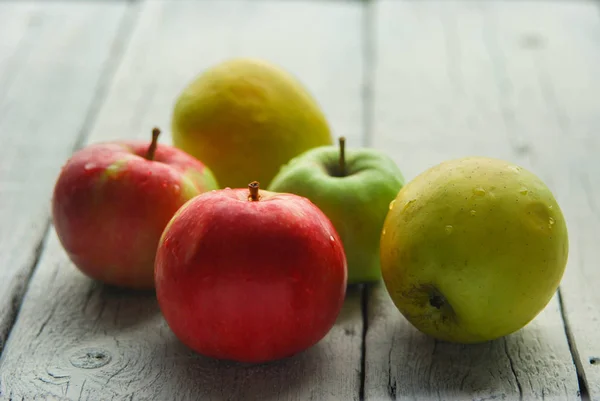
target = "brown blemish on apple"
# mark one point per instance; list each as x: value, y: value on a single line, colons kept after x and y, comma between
x: 427, y: 295
x: 437, y: 301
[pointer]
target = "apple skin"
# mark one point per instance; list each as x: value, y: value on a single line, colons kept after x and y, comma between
x: 250, y: 281
x: 473, y: 249
x: 110, y: 206
x: 247, y: 103
x: 356, y: 203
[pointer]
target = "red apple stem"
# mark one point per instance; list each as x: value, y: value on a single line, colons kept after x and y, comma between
x: 253, y: 187
x: 153, y: 144
x: 342, y: 141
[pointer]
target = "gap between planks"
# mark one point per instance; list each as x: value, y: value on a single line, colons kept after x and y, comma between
x: 404, y: 112
x: 327, y: 371
x: 123, y: 33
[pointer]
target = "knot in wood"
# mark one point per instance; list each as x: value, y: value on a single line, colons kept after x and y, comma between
x: 90, y: 358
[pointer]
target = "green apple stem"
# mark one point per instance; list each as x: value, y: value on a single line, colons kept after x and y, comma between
x: 253, y: 187
x: 342, y: 141
x: 153, y: 145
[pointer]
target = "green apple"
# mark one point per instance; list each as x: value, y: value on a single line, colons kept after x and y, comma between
x: 354, y: 189
x: 473, y: 249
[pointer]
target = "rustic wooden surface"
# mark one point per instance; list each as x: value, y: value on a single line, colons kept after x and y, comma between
x: 472, y: 85
x: 424, y: 81
x: 67, y: 318
x: 54, y: 59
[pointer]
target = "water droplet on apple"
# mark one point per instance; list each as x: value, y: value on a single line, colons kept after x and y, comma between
x: 551, y: 221
x: 479, y: 191
x: 473, y: 212
x: 176, y: 187
x: 524, y: 191
x: 449, y: 229
x: 89, y: 166
x: 383, y: 232
x: 331, y: 238
x: 515, y: 169
x: 392, y: 204
x: 410, y: 202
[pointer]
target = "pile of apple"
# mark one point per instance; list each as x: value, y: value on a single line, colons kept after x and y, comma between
x: 470, y: 250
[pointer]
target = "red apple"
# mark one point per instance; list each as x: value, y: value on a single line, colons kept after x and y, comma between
x: 112, y: 201
x: 250, y: 276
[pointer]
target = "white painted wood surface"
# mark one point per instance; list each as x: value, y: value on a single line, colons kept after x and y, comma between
x: 78, y: 340
x: 52, y: 59
x: 516, y: 80
x: 175, y: 41
x: 559, y: 113
x: 461, y: 78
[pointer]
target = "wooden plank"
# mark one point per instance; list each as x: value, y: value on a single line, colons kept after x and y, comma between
x: 402, y: 363
x: 560, y: 63
x: 330, y: 67
x: 16, y: 21
x: 52, y: 57
x: 13, y: 29
x: 441, y: 92
x: 77, y: 339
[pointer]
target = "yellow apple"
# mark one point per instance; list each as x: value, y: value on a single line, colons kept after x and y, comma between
x: 473, y: 249
x: 245, y: 118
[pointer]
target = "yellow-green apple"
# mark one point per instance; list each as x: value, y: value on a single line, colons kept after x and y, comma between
x: 250, y: 275
x: 112, y: 201
x: 243, y: 110
x: 353, y: 188
x: 473, y: 249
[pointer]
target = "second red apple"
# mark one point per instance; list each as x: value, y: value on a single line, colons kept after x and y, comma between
x: 250, y: 275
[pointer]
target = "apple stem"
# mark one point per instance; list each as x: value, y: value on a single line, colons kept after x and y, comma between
x: 253, y: 187
x: 342, y: 141
x: 153, y: 144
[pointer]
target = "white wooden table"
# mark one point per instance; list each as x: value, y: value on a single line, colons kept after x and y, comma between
x: 423, y: 80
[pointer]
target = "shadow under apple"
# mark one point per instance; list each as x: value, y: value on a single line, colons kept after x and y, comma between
x: 116, y: 309
x: 533, y: 362
x: 191, y: 375
x: 302, y: 376
x: 126, y: 336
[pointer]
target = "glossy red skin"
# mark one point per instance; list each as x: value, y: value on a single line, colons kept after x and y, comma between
x: 250, y: 281
x: 110, y: 221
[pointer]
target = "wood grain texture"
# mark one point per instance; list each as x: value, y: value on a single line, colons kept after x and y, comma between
x: 76, y: 339
x: 52, y: 57
x: 171, y: 49
x: 443, y: 90
x: 552, y: 90
x: 402, y: 363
